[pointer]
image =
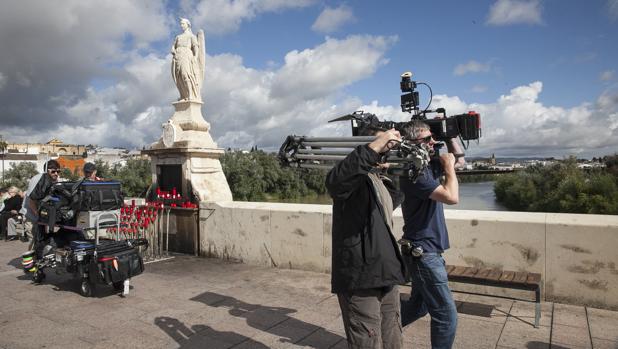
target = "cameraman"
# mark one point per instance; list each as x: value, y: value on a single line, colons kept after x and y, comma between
x: 367, y: 265
x: 425, y: 235
x: 39, y: 187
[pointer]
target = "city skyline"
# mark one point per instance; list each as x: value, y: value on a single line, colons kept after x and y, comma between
x: 542, y: 74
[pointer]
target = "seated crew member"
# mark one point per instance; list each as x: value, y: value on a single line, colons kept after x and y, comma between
x: 90, y: 172
x: 10, y: 209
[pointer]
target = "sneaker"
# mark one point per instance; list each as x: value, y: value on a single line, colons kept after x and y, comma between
x: 12, y: 238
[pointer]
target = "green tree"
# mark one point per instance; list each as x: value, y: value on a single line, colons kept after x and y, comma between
x: 69, y: 175
x: 561, y: 187
x: 257, y: 176
x: 135, y: 176
x: 103, y: 168
x: 18, y: 175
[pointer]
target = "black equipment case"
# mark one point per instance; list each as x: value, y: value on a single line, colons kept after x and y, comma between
x: 99, y: 196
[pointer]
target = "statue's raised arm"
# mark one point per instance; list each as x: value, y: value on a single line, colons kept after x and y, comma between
x: 188, y: 57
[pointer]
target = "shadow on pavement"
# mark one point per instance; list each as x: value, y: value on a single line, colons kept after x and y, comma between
x: 274, y: 320
x: 202, y: 336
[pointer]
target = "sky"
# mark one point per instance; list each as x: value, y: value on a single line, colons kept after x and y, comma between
x: 542, y: 74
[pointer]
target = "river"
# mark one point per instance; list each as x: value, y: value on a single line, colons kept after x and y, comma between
x: 477, y: 196
x: 472, y: 196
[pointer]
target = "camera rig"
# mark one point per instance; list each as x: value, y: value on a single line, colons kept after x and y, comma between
x: 407, y: 158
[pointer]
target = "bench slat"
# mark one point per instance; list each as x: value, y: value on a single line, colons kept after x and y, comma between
x: 470, y: 272
x: 457, y: 271
x: 507, y: 275
x: 533, y: 279
x: 483, y: 273
x: 494, y: 275
x: 520, y: 277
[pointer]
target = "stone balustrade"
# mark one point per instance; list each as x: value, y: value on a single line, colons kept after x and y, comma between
x: 576, y: 254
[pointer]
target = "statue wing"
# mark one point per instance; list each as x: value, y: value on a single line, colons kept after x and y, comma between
x: 201, y: 54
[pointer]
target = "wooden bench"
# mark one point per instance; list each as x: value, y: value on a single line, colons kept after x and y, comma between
x: 499, y: 278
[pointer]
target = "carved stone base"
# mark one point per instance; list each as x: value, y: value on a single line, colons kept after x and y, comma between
x: 201, y: 170
x: 187, y: 143
x: 186, y: 128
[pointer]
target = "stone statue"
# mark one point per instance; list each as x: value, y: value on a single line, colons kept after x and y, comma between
x: 188, y: 55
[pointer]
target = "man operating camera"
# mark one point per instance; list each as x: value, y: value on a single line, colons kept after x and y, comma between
x: 425, y: 236
x: 367, y: 265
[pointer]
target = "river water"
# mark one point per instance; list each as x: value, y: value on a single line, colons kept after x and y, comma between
x: 477, y: 196
x: 472, y: 196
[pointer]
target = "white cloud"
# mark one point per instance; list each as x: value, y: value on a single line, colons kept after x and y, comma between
x: 612, y: 9
x: 330, y: 66
x: 607, y: 75
x: 517, y: 124
x: 471, y: 67
x: 507, y: 12
x: 2, y: 80
x: 331, y: 19
x: 224, y: 16
x: 245, y: 106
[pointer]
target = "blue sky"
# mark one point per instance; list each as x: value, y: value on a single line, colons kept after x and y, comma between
x: 571, y: 45
x: 543, y: 74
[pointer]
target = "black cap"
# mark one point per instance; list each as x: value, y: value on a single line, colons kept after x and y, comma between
x: 89, y: 167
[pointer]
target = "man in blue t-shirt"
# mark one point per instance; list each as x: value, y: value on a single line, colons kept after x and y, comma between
x: 427, y: 237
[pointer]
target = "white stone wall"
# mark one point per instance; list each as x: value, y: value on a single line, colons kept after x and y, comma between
x: 576, y: 254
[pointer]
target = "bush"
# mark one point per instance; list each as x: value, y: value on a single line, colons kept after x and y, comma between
x: 256, y: 176
x: 561, y: 187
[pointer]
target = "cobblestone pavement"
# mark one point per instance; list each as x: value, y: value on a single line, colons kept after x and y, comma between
x: 189, y: 302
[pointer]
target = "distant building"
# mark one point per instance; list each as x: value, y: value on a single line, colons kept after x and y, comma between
x: 53, y: 147
x: 114, y: 156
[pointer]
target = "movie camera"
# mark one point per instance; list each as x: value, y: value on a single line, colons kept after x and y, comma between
x: 407, y: 158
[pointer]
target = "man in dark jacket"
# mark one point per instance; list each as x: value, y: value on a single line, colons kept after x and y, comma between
x: 367, y: 265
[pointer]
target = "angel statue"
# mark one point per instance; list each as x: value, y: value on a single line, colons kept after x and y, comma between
x: 188, y: 55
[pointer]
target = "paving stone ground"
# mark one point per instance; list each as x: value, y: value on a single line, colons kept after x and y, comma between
x: 189, y: 302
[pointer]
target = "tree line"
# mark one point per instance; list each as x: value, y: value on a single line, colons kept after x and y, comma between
x: 135, y: 175
x: 258, y: 176
x: 561, y: 187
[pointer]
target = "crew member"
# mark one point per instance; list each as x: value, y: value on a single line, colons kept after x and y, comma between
x: 10, y: 209
x: 38, y: 189
x: 90, y: 172
x: 425, y: 236
x: 367, y: 266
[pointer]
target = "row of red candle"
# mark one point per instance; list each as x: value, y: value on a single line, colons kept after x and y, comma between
x: 162, y: 194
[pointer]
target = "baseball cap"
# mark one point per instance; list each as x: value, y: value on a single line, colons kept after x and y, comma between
x: 89, y: 167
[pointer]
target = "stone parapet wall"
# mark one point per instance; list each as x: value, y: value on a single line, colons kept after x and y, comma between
x: 576, y: 254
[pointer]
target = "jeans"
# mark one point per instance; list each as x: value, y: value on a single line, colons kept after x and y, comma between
x: 372, y: 318
x: 430, y: 294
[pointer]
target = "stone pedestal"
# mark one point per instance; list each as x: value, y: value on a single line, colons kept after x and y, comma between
x: 187, y: 147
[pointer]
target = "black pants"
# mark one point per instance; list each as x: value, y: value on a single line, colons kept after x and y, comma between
x: 372, y: 318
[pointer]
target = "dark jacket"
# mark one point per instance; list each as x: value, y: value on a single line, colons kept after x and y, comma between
x: 364, y: 252
x: 12, y: 203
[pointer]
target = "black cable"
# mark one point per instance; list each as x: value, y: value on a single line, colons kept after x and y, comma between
x: 430, y: 96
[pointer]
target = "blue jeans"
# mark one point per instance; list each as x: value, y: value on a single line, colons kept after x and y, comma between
x: 430, y: 294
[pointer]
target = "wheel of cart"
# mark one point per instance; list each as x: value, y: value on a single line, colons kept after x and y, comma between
x: 118, y: 286
x: 38, y: 276
x: 87, y: 288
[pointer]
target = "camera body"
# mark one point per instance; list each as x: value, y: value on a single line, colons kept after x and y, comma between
x: 467, y: 126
